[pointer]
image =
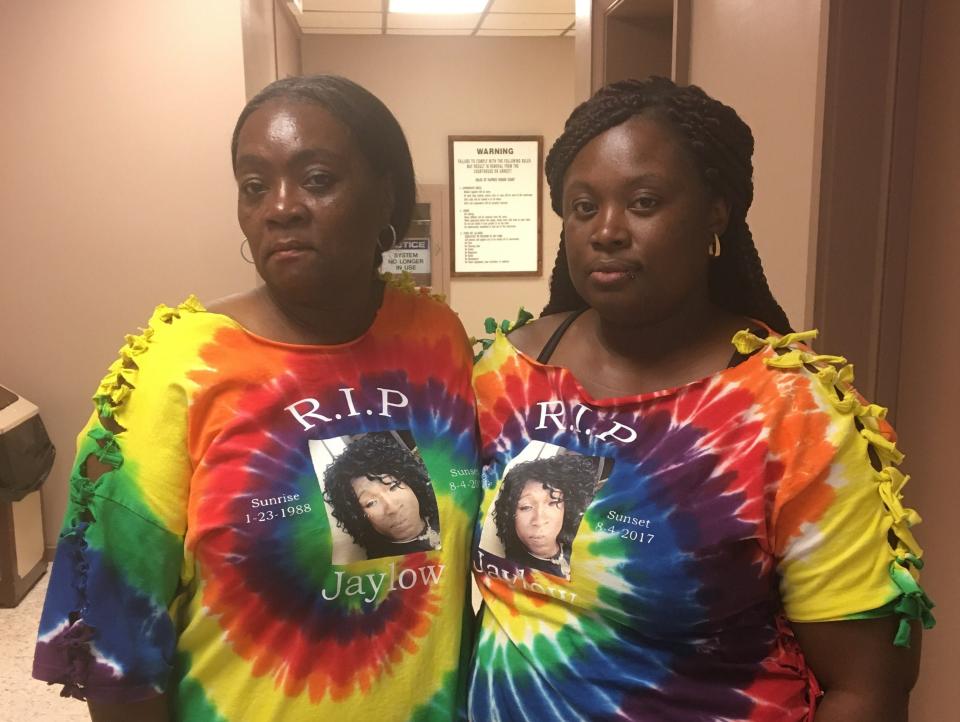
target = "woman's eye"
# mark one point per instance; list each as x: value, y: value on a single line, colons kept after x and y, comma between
x: 645, y: 203
x: 524, y: 507
x: 557, y: 504
x: 368, y: 504
x: 252, y: 187
x: 318, y: 181
x: 583, y: 207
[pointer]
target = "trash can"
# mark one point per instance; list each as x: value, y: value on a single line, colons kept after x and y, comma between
x: 26, y: 457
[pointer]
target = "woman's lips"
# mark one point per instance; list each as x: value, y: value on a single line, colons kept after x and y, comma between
x: 613, y: 274
x: 289, y: 250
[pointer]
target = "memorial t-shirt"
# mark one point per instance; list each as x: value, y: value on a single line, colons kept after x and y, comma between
x: 282, y: 532
x: 683, y: 530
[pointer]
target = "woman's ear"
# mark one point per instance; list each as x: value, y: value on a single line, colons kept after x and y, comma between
x: 719, y: 215
x: 387, y: 199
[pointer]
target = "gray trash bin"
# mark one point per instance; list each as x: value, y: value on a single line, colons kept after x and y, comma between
x: 26, y: 457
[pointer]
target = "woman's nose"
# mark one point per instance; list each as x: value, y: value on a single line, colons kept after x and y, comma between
x: 284, y: 205
x: 610, y: 228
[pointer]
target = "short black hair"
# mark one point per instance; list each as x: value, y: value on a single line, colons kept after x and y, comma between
x: 373, y: 455
x: 572, y: 475
x: 375, y: 129
x: 721, y: 146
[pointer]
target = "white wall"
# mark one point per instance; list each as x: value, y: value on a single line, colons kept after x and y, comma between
x: 464, y: 86
x: 116, y: 192
x: 763, y: 59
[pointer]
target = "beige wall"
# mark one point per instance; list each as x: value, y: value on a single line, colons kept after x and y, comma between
x: 464, y: 86
x: 763, y: 58
x: 116, y: 188
x: 929, y: 391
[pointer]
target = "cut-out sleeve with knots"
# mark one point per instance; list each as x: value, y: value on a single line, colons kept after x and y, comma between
x: 107, y: 631
x: 840, y: 532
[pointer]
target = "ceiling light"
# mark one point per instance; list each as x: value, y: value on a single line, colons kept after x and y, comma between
x: 437, y: 7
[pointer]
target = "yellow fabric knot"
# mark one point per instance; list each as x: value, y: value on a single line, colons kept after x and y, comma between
x: 746, y: 342
x: 790, y: 360
x: 161, y: 314
x: 892, y: 481
x: 192, y: 304
x: 792, y: 338
x: 832, y: 376
x: 824, y: 358
x: 883, y: 445
x: 136, y: 345
x: 120, y: 394
x: 846, y: 405
x: 873, y: 410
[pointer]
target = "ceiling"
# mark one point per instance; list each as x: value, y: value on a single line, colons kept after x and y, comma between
x: 546, y: 18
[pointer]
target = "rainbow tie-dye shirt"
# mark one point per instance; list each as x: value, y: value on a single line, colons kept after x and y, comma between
x: 639, y: 558
x: 282, y: 532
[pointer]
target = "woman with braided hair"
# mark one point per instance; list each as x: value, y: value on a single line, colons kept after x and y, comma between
x: 749, y: 557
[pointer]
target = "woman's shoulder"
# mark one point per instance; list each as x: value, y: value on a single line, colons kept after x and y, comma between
x: 531, y: 337
x: 160, y: 353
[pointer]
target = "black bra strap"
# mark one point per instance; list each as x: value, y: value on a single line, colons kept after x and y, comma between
x: 551, y: 345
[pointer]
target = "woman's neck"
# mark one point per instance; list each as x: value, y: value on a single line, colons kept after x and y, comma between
x: 323, y: 321
x: 655, y: 342
x: 612, y: 358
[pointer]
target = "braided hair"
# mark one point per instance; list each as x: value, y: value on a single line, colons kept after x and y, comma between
x: 721, y: 145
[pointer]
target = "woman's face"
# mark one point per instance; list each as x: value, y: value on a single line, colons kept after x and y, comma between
x: 309, y: 202
x: 390, y: 506
x: 638, y: 221
x: 539, y: 518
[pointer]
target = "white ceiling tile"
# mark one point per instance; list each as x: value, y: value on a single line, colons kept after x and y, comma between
x: 429, y: 31
x: 530, y: 21
x: 532, y: 6
x: 522, y: 33
x: 447, y: 22
x: 340, y: 20
x: 341, y: 31
x: 343, y: 5
x: 450, y: 7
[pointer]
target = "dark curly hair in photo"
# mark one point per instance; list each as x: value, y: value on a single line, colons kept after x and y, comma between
x: 571, y: 476
x: 721, y: 146
x: 374, y: 455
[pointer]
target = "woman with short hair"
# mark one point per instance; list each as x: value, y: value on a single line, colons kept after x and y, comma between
x: 194, y: 577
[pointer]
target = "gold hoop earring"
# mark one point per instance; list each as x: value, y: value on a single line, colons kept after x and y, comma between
x: 245, y: 242
x: 393, y: 239
x: 714, y: 250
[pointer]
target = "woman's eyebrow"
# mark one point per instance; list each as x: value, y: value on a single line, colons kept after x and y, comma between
x: 301, y: 156
x: 307, y: 154
x: 639, y: 179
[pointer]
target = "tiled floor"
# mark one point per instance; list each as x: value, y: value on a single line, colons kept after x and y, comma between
x: 23, y: 698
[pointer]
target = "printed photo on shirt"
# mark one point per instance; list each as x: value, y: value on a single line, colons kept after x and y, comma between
x: 378, y: 494
x: 544, y: 493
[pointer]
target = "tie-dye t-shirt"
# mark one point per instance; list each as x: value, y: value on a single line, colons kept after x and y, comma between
x: 639, y: 558
x: 283, y: 531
